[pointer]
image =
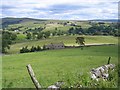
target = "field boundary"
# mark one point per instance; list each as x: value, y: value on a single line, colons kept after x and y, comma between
x: 88, y: 45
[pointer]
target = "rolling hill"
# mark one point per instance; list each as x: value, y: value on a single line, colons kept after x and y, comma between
x: 71, y: 65
x: 8, y: 21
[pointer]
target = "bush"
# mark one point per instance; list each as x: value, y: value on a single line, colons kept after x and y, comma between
x: 44, y: 47
x: 38, y: 48
x: 24, y: 50
x: 33, y: 49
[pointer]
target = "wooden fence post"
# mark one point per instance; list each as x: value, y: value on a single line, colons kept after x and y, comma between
x: 109, y: 60
x: 32, y: 75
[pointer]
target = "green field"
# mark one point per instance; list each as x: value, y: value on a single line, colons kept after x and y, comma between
x: 49, y: 26
x: 69, y: 65
x: 67, y: 40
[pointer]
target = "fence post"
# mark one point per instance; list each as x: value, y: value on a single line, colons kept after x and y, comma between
x: 32, y: 75
x: 109, y: 60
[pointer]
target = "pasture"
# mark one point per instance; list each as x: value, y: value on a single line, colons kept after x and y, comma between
x: 67, y: 40
x: 49, y: 24
x: 69, y: 65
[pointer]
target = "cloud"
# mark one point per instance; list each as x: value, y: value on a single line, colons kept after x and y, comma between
x: 61, y: 9
x: 5, y: 7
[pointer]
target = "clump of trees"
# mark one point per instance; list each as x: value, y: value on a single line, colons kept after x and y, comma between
x: 7, y: 39
x: 37, y: 35
x: 77, y: 30
x: 36, y: 29
x: 101, y: 29
x: 28, y: 36
x: 96, y: 29
x: 32, y: 49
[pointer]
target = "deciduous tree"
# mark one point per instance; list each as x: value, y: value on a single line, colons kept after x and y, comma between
x: 80, y: 40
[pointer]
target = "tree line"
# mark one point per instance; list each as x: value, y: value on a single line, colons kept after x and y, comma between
x: 32, y: 49
x: 96, y: 29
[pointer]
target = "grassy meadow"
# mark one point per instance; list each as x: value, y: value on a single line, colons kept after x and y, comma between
x: 69, y: 65
x: 67, y: 40
x: 72, y: 66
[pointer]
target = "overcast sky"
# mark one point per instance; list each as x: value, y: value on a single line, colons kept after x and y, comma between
x: 61, y: 9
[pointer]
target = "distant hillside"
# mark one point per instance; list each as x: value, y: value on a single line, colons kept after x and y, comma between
x: 27, y: 24
x: 36, y: 23
x: 106, y: 20
x: 7, y: 21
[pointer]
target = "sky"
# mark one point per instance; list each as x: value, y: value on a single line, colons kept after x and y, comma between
x: 60, y: 9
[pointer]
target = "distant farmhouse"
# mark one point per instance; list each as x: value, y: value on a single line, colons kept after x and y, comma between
x: 55, y: 46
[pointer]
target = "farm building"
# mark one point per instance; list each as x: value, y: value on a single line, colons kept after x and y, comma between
x: 55, y: 46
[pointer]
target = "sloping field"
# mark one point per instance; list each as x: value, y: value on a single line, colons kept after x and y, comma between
x: 67, y: 40
x: 69, y: 65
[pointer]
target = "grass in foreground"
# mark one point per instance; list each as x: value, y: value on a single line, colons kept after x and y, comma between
x: 69, y: 65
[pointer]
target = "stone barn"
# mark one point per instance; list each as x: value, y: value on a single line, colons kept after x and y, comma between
x: 55, y: 46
